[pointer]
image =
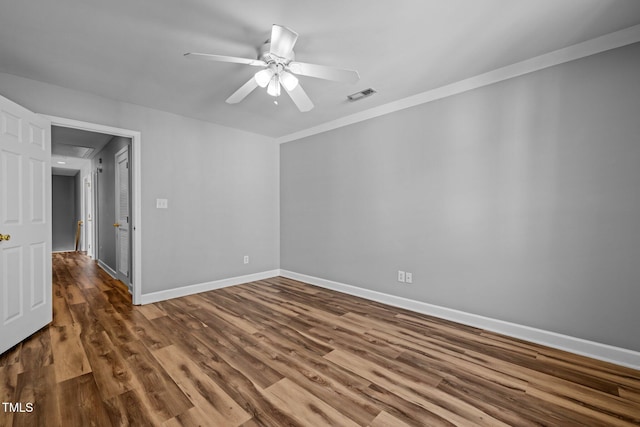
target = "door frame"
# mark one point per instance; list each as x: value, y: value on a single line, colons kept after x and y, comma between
x: 136, y: 192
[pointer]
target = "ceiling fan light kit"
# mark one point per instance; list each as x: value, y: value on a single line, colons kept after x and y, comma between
x: 288, y: 80
x: 277, y: 57
x: 274, y: 87
x: 263, y: 77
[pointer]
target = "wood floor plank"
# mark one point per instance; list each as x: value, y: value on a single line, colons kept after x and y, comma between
x: 235, y: 353
x: 632, y: 395
x: 385, y: 420
x: 595, y: 418
x: 304, y: 406
x: 422, y: 391
x: 120, y: 331
x: 616, y: 376
x: 222, y: 311
x: 333, y: 386
x: 129, y: 410
x: 111, y: 372
x: 601, y: 402
x: 61, y: 313
x: 38, y: 386
x: 216, y: 406
x: 70, y: 359
x: 160, y: 394
x: 151, y: 311
x: 279, y: 352
x: 36, y: 351
x: 8, y: 384
x: 230, y: 379
x: 447, y: 362
x: 80, y: 403
x: 11, y: 356
x: 72, y: 293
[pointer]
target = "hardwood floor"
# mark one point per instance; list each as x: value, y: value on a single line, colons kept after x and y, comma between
x: 283, y: 353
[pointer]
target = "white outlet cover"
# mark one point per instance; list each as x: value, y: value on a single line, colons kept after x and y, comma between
x: 408, y: 277
x: 162, y: 203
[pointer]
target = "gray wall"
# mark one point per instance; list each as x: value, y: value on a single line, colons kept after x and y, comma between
x: 519, y: 201
x: 64, y: 212
x: 221, y: 183
x: 106, y: 193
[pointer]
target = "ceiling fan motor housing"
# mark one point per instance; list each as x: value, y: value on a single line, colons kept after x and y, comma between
x: 264, y: 54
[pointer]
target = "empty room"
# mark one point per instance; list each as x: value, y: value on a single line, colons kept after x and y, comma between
x: 295, y: 213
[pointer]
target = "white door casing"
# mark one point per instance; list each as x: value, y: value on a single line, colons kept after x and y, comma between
x: 25, y: 216
x: 135, y: 270
x: 123, y: 215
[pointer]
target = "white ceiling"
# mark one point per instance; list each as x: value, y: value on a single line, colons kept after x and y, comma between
x: 133, y: 50
x: 68, y: 142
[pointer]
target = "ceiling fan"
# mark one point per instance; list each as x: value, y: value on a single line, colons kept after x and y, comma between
x: 279, y: 68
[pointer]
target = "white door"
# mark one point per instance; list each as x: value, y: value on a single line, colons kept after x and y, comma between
x: 88, y: 215
x: 25, y: 223
x: 122, y: 215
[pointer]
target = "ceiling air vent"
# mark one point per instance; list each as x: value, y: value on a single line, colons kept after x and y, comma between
x: 362, y: 94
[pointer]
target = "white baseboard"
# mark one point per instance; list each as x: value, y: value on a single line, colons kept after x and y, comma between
x: 605, y: 352
x: 204, y: 287
x: 110, y: 271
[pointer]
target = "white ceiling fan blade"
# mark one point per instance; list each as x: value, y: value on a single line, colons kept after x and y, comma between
x: 242, y: 93
x: 222, y: 58
x: 282, y: 40
x: 323, y: 72
x: 300, y: 98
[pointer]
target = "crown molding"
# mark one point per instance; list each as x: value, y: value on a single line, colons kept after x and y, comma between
x: 587, y: 48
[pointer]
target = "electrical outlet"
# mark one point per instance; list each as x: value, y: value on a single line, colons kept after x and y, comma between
x: 408, y: 277
x: 162, y: 204
x: 246, y: 259
x: 401, y: 276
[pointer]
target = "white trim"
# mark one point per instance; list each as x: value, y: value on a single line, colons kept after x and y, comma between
x: 590, y: 47
x: 608, y: 353
x: 110, y: 271
x: 207, y: 286
x: 135, y: 160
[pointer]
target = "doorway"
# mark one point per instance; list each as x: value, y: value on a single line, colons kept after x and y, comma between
x: 91, y: 206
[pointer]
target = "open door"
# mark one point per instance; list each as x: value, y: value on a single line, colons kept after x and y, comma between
x: 88, y: 215
x: 123, y: 215
x: 25, y: 223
